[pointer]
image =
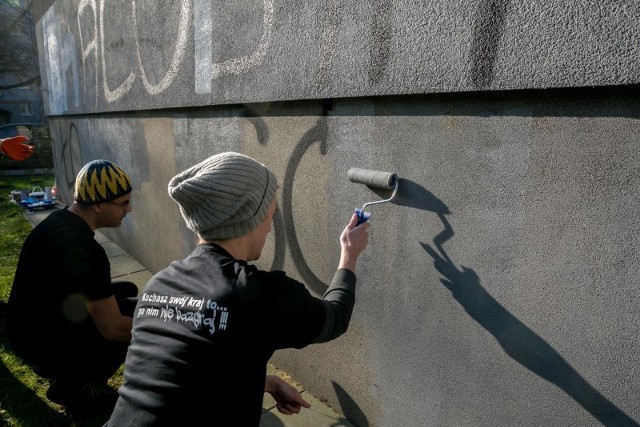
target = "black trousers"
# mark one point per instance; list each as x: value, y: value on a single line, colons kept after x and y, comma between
x: 126, y: 294
x: 91, y: 358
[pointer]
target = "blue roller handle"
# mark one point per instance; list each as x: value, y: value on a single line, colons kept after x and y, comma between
x: 362, y: 216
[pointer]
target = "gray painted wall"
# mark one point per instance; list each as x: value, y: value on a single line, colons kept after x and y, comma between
x: 132, y: 55
x: 500, y: 287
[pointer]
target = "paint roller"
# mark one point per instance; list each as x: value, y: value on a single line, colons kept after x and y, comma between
x: 372, y: 178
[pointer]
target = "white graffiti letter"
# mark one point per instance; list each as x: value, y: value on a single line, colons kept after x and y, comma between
x: 57, y: 89
x: 203, y: 35
x: 125, y: 87
x: 69, y: 59
x: 178, y: 53
x: 92, y: 46
x: 246, y: 63
x: 203, y: 29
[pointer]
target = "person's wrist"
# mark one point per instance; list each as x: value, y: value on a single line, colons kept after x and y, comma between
x: 347, y: 262
x: 270, y: 384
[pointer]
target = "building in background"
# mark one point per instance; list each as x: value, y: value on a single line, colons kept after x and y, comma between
x: 20, y: 105
x: 20, y: 97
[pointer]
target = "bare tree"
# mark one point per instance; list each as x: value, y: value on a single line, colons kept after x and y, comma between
x: 18, y: 48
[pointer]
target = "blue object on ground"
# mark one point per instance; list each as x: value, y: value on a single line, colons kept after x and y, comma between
x: 31, y: 204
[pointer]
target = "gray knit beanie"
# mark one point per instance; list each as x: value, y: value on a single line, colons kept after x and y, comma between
x: 227, y: 195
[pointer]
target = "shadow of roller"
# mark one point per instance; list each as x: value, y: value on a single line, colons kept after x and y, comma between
x: 413, y: 195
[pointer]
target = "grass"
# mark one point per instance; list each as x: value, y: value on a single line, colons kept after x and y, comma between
x: 22, y: 393
x: 14, y: 225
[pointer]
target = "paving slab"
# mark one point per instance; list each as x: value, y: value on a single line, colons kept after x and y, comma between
x: 37, y: 215
x: 112, y: 249
x: 319, y: 415
x: 124, y: 264
x: 140, y: 279
x: 101, y: 238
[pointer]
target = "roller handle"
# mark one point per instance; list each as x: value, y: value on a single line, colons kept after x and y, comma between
x: 372, y: 178
x: 362, y: 216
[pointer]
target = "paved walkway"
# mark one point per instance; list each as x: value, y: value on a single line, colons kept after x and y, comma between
x: 125, y: 267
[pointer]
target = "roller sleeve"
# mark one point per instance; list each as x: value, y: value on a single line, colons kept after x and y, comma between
x: 372, y: 178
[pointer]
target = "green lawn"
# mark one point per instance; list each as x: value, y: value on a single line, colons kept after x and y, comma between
x: 22, y: 393
x: 14, y: 225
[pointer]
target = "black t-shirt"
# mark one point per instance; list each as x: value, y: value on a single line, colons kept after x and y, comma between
x: 203, y: 332
x: 61, y: 266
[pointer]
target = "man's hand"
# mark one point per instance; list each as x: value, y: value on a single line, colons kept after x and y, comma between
x: 16, y: 148
x: 288, y: 399
x: 353, y: 241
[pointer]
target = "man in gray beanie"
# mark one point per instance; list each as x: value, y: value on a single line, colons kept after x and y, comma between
x: 206, y: 326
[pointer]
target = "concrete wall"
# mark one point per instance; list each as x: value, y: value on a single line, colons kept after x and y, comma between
x: 500, y: 287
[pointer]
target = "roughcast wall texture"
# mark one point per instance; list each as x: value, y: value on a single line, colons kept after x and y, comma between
x: 500, y: 287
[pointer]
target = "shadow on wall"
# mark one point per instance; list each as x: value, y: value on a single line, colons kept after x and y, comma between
x: 413, y: 195
x: 518, y: 341
x: 356, y: 415
x: 487, y: 31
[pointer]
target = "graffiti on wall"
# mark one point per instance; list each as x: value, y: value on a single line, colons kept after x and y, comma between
x: 67, y: 157
x: 75, y: 52
x: 81, y: 44
x: 316, y: 134
x: 205, y: 68
x: 62, y: 39
x: 59, y: 57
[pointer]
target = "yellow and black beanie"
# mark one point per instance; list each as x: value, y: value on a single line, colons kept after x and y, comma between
x: 100, y: 181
